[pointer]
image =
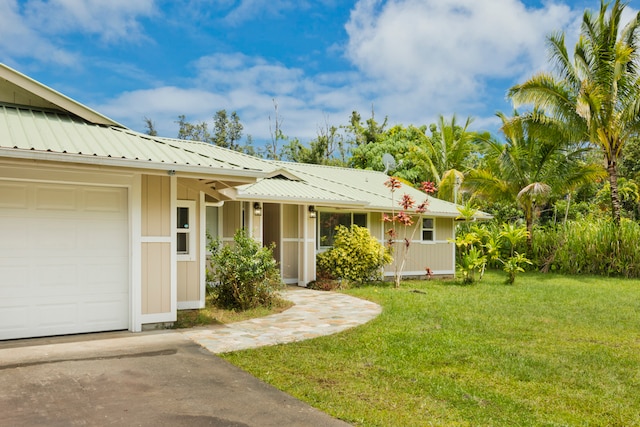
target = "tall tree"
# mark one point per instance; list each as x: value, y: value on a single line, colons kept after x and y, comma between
x: 400, y: 142
x: 448, y: 154
x: 328, y: 148
x: 193, y: 132
x: 272, y: 149
x: 365, y: 133
x: 532, y: 164
x: 596, y: 92
x: 150, y: 127
x: 227, y: 130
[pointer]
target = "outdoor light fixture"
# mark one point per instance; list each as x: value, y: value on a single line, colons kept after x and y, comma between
x: 312, y: 212
x: 171, y: 172
x: 257, y: 209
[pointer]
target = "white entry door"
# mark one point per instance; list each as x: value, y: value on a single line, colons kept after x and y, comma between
x: 64, y: 259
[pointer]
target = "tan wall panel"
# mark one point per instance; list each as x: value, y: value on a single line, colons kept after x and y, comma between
x: 311, y: 260
x: 436, y: 256
x: 189, y: 271
x: 188, y: 281
x: 232, y: 219
x: 289, y: 221
x: 290, y: 260
x: 187, y: 193
x: 444, y: 228
x: 375, y: 225
x: 156, y: 206
x: 156, y: 278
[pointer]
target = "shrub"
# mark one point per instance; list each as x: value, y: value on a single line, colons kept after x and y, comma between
x: 356, y: 256
x: 246, y: 274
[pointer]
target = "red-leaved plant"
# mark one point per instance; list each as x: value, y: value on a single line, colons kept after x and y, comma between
x: 399, y: 243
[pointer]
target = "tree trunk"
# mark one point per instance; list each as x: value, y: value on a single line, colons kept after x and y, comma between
x: 566, y: 211
x: 529, y: 220
x: 615, y: 197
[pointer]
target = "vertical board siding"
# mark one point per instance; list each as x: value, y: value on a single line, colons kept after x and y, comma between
x: 156, y: 278
x: 156, y: 205
x: 232, y: 214
x: 189, y: 271
x: 156, y: 256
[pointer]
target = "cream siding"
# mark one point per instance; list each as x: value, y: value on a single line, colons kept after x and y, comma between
x: 232, y: 214
x: 156, y: 205
x: 290, y: 241
x: 156, y: 246
x: 156, y: 278
x: 437, y: 255
x: 189, y: 279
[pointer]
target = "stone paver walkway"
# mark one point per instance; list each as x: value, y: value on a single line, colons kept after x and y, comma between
x: 314, y: 314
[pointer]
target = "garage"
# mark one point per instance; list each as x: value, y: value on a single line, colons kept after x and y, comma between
x: 64, y: 259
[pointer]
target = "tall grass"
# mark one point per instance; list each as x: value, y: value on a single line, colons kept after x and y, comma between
x: 589, y: 247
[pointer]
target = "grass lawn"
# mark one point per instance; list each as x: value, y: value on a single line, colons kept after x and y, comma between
x: 550, y: 351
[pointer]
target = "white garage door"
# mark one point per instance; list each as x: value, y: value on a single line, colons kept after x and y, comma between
x: 64, y: 259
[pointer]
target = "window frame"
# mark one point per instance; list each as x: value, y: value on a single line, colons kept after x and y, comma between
x: 190, y: 232
x: 432, y: 229
x: 320, y: 246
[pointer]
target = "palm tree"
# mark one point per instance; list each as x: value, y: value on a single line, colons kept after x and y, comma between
x: 596, y: 94
x: 530, y: 166
x: 446, y: 154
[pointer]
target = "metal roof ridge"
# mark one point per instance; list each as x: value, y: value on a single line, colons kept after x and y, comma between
x: 175, y: 143
x: 346, y: 197
x: 343, y: 183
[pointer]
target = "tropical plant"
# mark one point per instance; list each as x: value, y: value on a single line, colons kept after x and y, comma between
x: 356, y: 256
x: 245, y: 274
x: 448, y: 155
x: 513, y: 265
x: 471, y: 262
x: 532, y: 164
x: 400, y: 242
x: 596, y: 93
x: 490, y: 245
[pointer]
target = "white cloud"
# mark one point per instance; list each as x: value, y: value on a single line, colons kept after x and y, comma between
x: 111, y: 20
x: 14, y: 27
x: 244, y: 84
x: 432, y: 56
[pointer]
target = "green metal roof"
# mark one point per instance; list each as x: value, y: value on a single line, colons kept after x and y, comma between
x: 53, y: 135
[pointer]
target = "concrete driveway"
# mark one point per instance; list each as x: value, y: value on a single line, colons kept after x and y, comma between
x: 149, y: 379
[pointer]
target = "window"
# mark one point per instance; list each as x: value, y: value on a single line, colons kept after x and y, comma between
x: 185, y: 233
x: 428, y: 229
x: 330, y: 220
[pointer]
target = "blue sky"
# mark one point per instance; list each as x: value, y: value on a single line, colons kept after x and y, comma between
x: 409, y: 60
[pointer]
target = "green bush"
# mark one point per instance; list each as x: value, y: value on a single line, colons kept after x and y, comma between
x: 356, y: 256
x: 245, y: 274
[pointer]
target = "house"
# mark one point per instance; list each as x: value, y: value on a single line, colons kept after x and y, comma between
x: 104, y: 228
